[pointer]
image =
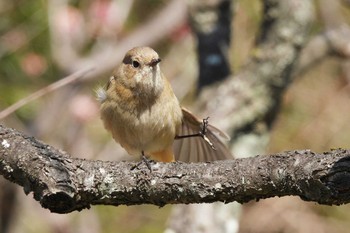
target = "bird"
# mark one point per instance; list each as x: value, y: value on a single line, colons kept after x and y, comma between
x: 141, y: 111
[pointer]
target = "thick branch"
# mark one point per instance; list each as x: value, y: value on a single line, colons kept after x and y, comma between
x: 250, y: 101
x: 64, y: 184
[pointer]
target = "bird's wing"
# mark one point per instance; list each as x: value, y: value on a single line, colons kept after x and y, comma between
x: 198, y: 149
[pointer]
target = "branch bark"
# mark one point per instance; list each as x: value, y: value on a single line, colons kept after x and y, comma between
x: 64, y: 184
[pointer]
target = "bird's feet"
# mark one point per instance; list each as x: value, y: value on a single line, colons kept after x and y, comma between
x: 145, y: 160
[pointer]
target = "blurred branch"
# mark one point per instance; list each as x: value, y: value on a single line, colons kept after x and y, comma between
x: 247, y: 104
x: 334, y: 40
x: 330, y: 13
x: 331, y: 42
x: 64, y: 184
x: 50, y: 88
x: 211, y: 23
x: 250, y: 100
x: 112, y: 51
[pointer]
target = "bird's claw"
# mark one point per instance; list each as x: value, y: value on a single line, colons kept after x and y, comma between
x: 204, y: 131
x: 145, y: 160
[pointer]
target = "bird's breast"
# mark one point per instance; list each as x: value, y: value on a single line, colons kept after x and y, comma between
x: 146, y: 128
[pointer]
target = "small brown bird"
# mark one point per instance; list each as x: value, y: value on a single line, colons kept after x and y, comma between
x: 140, y: 109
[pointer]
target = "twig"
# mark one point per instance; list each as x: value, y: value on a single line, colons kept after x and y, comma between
x: 50, y: 88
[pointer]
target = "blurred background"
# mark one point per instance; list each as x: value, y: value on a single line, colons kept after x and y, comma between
x: 41, y: 42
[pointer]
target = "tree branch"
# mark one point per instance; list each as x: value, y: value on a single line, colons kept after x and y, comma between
x: 64, y: 184
x: 251, y: 99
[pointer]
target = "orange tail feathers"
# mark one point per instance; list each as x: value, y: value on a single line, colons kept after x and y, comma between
x: 164, y: 156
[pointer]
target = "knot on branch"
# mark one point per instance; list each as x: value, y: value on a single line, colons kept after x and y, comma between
x: 60, y: 202
x: 338, y: 178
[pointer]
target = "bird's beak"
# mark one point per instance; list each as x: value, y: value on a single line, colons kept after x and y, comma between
x: 154, y: 62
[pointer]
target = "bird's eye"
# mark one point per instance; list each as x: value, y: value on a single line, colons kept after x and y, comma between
x: 135, y: 64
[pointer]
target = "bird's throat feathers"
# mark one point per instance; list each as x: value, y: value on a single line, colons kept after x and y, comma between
x: 135, y: 98
x: 148, y: 82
